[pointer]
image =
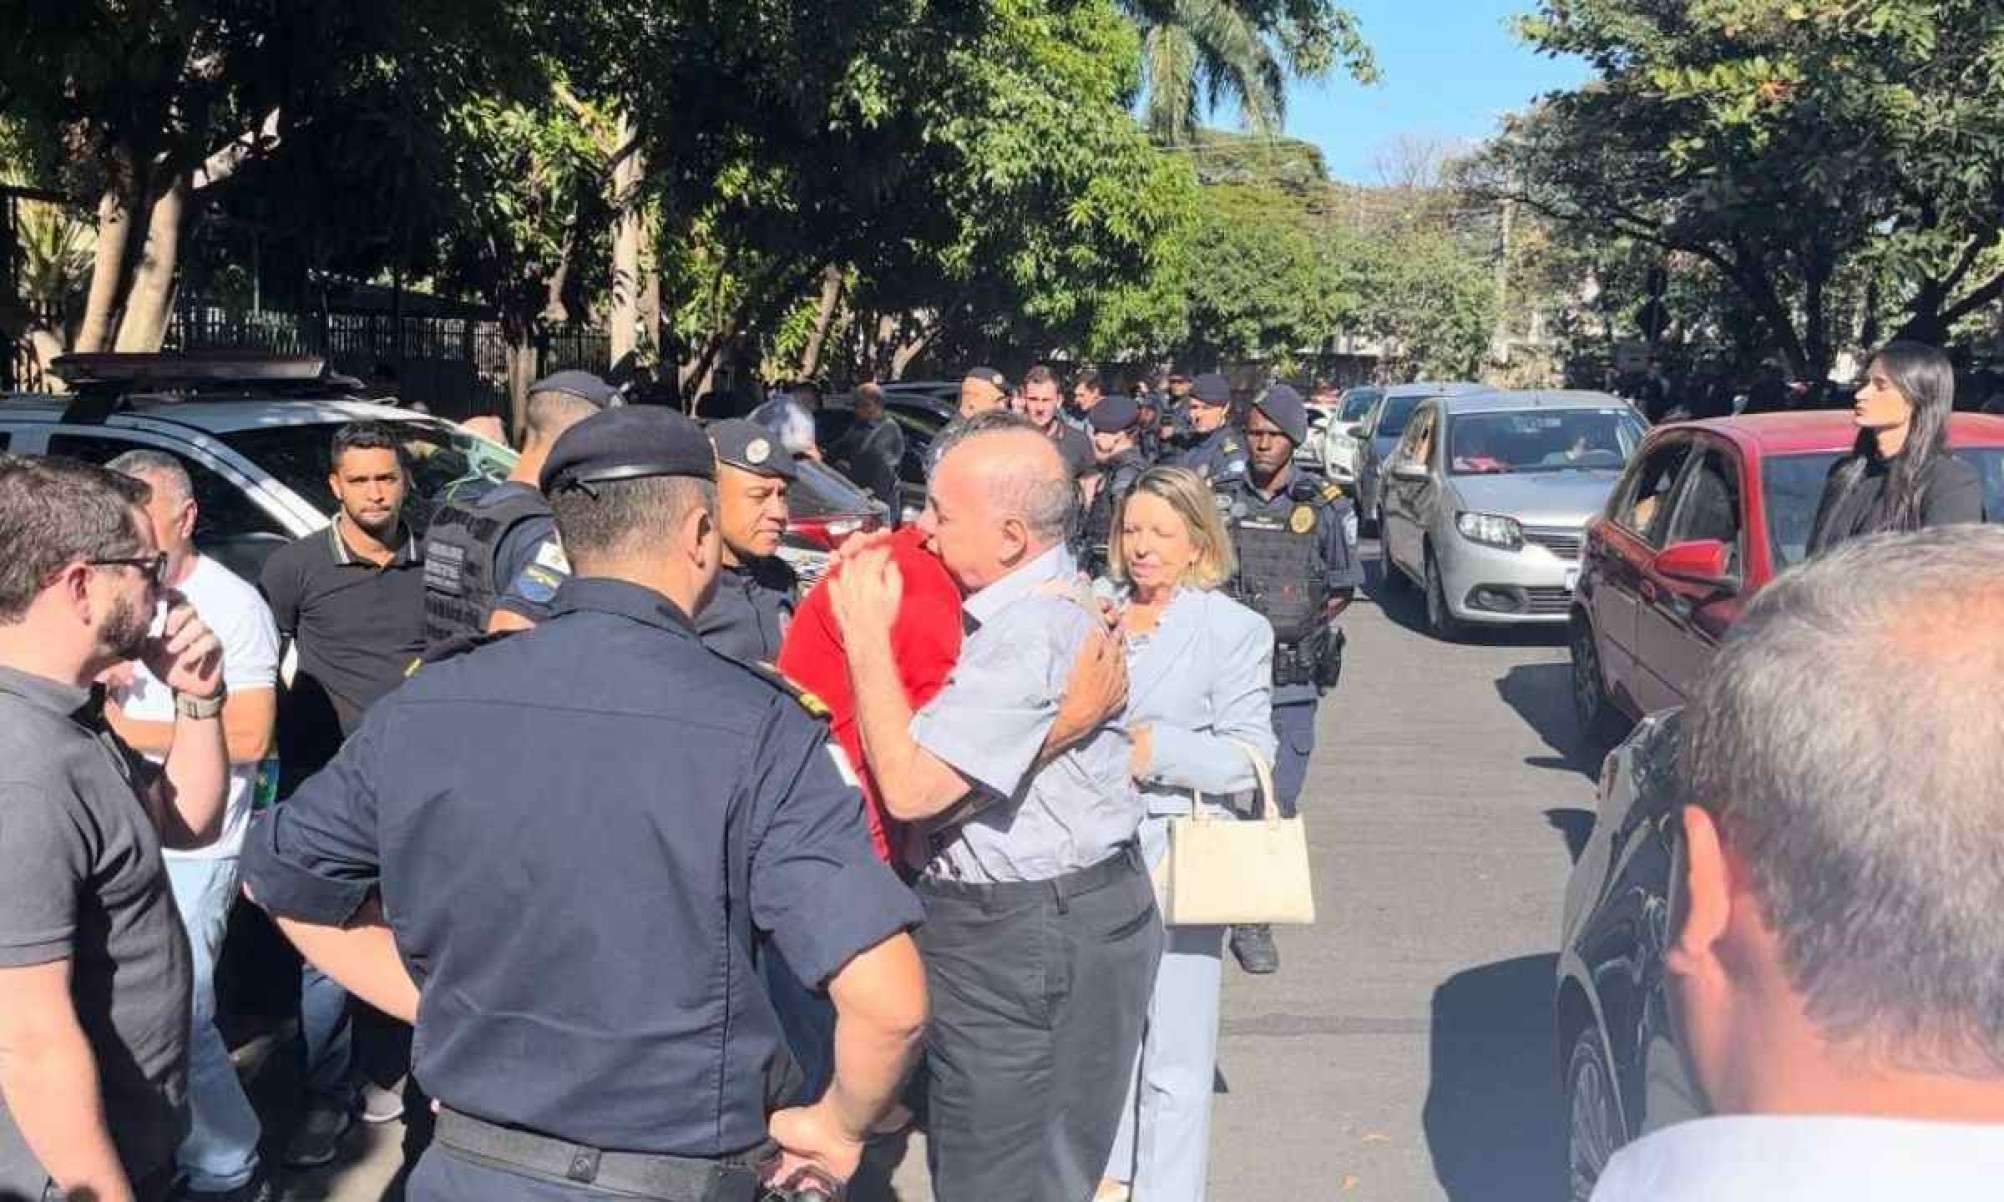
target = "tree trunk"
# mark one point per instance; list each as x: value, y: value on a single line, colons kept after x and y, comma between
x: 627, y: 234
x: 518, y: 336
x: 150, y: 302
x: 114, y: 232
x: 824, y: 317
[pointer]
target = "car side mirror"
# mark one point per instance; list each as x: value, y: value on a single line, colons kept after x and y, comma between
x: 1410, y: 471
x: 1706, y: 562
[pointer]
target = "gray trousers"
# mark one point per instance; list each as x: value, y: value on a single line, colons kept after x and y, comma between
x: 1164, y: 1146
x: 1038, y: 994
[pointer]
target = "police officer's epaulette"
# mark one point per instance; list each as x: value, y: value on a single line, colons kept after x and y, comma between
x: 815, y: 707
x: 454, y: 647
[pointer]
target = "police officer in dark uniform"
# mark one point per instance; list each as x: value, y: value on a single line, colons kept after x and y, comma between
x: 1116, y: 431
x: 578, y: 834
x: 1216, y: 451
x: 494, y: 562
x: 756, y: 590
x: 1298, y: 566
x: 1148, y: 437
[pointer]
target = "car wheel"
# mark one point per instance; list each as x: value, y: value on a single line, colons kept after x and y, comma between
x: 1599, y: 722
x: 1594, y: 1126
x: 1440, y: 620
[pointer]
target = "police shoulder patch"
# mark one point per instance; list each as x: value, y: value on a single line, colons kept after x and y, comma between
x: 1332, y: 492
x: 815, y: 707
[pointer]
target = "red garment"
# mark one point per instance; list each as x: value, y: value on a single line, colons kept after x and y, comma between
x: 925, y: 641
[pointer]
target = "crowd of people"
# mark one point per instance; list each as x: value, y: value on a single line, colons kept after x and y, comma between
x: 615, y: 861
x: 621, y: 866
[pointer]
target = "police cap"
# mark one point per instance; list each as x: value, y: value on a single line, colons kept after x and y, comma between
x: 750, y: 446
x: 628, y: 443
x: 1284, y: 408
x: 580, y: 384
x: 1114, y: 415
x: 989, y: 376
x: 1211, y: 389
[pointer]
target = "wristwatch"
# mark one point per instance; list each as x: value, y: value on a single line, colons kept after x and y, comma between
x: 200, y: 708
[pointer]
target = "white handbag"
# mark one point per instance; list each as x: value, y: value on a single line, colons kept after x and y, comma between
x: 1223, y: 871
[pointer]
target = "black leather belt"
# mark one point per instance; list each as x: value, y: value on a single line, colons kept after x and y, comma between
x: 638, y: 1174
x: 1123, y: 863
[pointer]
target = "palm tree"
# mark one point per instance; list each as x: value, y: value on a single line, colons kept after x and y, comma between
x: 1198, y: 52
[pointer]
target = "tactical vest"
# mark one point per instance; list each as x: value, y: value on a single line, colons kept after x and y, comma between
x: 1114, y: 485
x: 459, y: 551
x: 1281, y: 575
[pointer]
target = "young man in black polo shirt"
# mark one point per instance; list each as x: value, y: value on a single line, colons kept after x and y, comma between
x: 351, y: 599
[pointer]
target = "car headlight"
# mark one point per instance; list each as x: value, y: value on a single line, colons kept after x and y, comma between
x: 1490, y: 529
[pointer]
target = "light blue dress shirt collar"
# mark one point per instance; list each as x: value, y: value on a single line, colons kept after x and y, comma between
x: 1055, y: 564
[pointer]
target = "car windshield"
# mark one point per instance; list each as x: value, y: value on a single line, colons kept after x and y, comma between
x: 820, y: 491
x: 1357, y: 406
x: 1397, y: 412
x: 1793, y: 486
x: 446, y: 462
x: 1541, y: 440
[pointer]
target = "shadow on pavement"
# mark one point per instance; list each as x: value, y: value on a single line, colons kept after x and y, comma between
x: 1493, y: 1118
x: 1575, y: 825
x: 1542, y: 696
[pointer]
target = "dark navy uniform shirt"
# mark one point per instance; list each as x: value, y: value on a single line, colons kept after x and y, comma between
x: 573, y: 830
x: 1217, y: 456
x: 529, y: 564
x: 753, y: 606
x: 1333, y: 525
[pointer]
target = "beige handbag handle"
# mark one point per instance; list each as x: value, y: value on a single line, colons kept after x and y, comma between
x: 1263, y: 785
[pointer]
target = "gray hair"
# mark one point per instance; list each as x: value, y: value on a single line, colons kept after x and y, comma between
x: 1847, y: 740
x: 1021, y: 486
x: 157, y: 468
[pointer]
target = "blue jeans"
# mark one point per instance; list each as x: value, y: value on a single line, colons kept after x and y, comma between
x: 220, y: 1150
x: 327, y: 1028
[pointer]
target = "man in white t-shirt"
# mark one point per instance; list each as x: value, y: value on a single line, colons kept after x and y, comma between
x: 1835, y: 915
x: 219, y: 1154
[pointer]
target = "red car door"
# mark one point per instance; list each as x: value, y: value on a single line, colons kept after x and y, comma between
x: 1619, y: 555
x: 1680, y: 622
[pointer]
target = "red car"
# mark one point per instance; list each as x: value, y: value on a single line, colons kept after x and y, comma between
x: 1706, y: 514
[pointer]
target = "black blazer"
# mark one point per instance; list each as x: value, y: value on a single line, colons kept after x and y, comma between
x: 1951, y: 493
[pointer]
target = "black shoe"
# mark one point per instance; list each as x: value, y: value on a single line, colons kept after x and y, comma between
x: 317, y: 1138
x: 1253, y: 945
x: 259, y: 1188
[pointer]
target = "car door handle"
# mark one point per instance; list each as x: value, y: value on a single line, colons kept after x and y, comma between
x: 1648, y: 590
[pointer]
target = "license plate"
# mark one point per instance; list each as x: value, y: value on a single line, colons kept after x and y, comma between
x: 1572, y: 579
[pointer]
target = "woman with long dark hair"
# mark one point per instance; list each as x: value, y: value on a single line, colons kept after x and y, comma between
x: 1899, y: 474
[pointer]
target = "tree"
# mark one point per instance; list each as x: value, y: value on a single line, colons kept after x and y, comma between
x: 1198, y: 52
x: 1272, y: 281
x: 1815, y: 155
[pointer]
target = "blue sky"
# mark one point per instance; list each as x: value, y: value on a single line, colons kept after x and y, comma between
x: 1451, y: 67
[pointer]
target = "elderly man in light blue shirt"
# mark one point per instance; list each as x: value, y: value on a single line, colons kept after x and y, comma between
x: 1040, y: 939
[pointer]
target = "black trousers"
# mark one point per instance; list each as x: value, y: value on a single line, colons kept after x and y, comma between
x: 1038, y: 997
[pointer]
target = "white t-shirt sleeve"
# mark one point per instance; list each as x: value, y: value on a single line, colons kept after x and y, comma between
x: 242, y: 621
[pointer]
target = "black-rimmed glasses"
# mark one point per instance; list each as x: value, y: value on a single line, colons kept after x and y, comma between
x: 154, y: 565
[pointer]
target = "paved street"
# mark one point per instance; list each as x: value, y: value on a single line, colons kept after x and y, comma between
x: 1403, y: 1053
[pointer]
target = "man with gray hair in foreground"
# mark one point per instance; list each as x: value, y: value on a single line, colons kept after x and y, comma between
x: 1836, y: 935
x: 1040, y: 941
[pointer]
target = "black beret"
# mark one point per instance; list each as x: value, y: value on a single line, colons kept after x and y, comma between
x: 750, y: 446
x: 1114, y: 414
x: 580, y: 384
x: 1212, y: 389
x: 628, y: 443
x: 1283, y: 407
x: 989, y: 376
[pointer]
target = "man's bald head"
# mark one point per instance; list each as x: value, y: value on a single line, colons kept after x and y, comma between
x: 1000, y: 497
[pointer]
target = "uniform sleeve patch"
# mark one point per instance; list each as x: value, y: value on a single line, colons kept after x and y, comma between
x: 538, y: 584
x: 1332, y: 492
x: 551, y: 555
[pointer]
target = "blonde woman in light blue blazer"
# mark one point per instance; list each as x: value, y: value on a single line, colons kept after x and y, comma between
x: 1200, y: 683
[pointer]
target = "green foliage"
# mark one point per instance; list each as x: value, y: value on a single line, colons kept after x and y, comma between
x: 1432, y: 300
x: 1269, y: 283
x: 1808, y: 152
x: 1198, y: 52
